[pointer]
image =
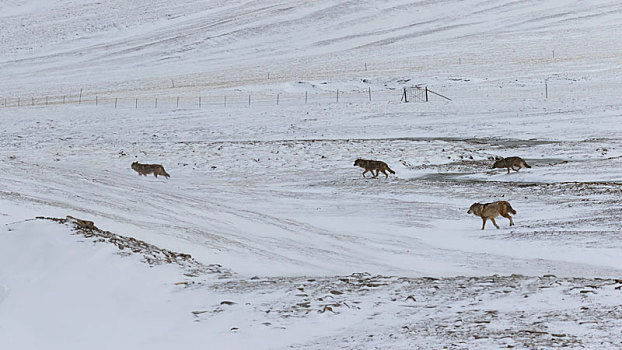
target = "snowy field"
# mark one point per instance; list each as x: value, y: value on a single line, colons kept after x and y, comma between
x: 290, y: 246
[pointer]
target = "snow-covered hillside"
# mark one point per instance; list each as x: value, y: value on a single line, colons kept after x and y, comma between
x: 299, y: 250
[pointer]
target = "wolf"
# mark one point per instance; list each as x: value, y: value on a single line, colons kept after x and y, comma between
x: 371, y: 165
x: 510, y: 162
x: 491, y: 211
x: 144, y: 169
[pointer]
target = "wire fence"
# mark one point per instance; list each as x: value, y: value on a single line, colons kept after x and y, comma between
x: 498, y: 91
x: 189, y: 101
x: 186, y: 100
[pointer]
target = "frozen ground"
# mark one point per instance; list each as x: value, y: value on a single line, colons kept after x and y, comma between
x: 293, y: 248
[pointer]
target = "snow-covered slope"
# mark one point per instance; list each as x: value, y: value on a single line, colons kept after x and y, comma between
x: 68, y: 45
x: 263, y: 183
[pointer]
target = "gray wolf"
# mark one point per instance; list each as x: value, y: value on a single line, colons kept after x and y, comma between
x: 371, y: 165
x: 491, y: 211
x: 510, y: 162
x: 144, y: 169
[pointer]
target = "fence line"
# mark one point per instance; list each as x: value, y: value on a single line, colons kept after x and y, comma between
x: 480, y: 92
x: 201, y: 101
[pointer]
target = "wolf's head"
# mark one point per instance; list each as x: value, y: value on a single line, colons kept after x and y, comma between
x: 474, y: 209
x: 134, y: 165
x: 358, y: 162
x: 499, y: 163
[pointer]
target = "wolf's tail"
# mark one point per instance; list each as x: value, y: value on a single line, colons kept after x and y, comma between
x: 162, y: 172
x: 510, y: 209
x: 391, y: 171
x: 526, y: 165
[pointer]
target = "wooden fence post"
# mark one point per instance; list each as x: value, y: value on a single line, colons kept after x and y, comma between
x: 225, y: 100
x: 199, y: 101
x: 18, y: 102
x: 156, y: 103
x: 426, y: 94
x: 369, y: 91
x: 337, y: 95
x: 33, y: 101
x: 546, y: 89
x: 136, y: 102
x: 80, y: 99
x: 277, y: 99
x: 115, y: 102
x: 96, y: 101
x: 63, y: 99
x: 249, y: 100
x: 177, y: 101
x: 305, y: 97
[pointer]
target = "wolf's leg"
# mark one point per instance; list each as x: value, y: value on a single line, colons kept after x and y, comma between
x: 507, y: 216
x: 494, y: 222
x: 377, y: 171
x: 508, y: 170
x: 483, y: 223
x: 386, y: 176
x: 155, y: 174
x: 364, y: 172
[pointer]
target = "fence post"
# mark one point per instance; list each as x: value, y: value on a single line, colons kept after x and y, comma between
x: 18, y: 102
x: 96, y: 101
x: 136, y: 102
x: 546, y: 89
x: 277, y: 99
x: 177, y: 101
x: 369, y: 90
x: 156, y: 103
x: 33, y: 101
x: 249, y: 100
x: 426, y: 94
x: 225, y: 100
x: 115, y: 102
x: 337, y: 95
x: 199, y: 101
x: 305, y: 97
x: 80, y: 99
x: 63, y: 99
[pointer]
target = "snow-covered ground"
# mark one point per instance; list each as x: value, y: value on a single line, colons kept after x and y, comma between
x: 293, y: 247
